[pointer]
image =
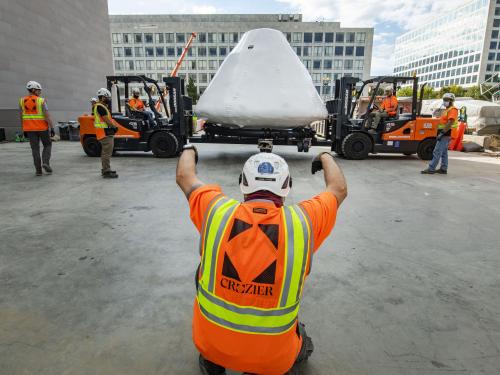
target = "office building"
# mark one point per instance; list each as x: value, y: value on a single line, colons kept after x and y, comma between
x: 151, y: 45
x: 63, y: 45
x: 460, y: 46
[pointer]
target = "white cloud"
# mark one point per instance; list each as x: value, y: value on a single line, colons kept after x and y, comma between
x: 204, y: 9
x: 159, y: 7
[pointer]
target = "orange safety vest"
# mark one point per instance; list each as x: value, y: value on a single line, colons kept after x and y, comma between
x: 32, y: 113
x: 390, y: 105
x: 247, y: 304
x: 136, y: 104
x: 99, y: 122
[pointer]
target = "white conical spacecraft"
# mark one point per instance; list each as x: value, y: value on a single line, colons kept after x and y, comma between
x: 262, y: 83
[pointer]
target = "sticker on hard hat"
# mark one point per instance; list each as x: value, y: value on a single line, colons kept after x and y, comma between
x: 265, y: 168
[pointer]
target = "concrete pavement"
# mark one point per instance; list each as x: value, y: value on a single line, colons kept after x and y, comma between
x: 96, y: 276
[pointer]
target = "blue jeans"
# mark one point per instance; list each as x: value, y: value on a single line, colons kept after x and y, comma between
x: 149, y: 117
x: 440, y: 152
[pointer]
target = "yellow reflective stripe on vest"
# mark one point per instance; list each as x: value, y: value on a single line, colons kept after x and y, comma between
x: 39, y: 110
x: 455, y: 123
x: 297, y: 244
x: 98, y: 123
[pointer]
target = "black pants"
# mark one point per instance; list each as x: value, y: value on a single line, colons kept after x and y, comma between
x: 35, y: 138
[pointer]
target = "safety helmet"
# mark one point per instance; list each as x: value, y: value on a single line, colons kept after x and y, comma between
x: 33, y: 85
x: 266, y: 171
x: 388, y: 89
x: 103, y: 92
x: 449, y: 96
x: 93, y: 99
x: 135, y: 90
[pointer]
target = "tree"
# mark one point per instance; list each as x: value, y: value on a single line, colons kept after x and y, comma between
x: 405, y: 91
x: 192, y: 90
x: 475, y: 93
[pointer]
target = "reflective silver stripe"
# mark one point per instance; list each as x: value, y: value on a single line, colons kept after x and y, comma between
x: 289, y: 256
x: 245, y: 310
x: 207, y: 225
x: 217, y: 241
x: 305, y: 249
x: 204, y: 222
x: 245, y: 328
x: 311, y: 238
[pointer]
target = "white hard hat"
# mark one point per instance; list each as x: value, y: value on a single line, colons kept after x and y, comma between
x: 449, y: 96
x: 104, y: 92
x: 388, y: 88
x: 33, y: 85
x: 265, y: 171
x: 135, y: 90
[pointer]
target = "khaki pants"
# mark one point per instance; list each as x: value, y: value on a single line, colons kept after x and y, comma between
x: 107, y: 144
x: 375, y: 117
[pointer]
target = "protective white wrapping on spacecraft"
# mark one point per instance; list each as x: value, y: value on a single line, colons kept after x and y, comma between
x: 262, y: 83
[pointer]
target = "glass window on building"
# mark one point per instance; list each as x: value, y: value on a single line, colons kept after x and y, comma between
x: 148, y: 38
x: 307, y: 37
x: 493, y: 45
x: 326, y: 90
x: 491, y: 56
x: 160, y: 64
x: 212, y: 64
x: 160, y: 51
x: 298, y: 50
x: 318, y: 89
x: 317, y: 51
x: 212, y: 51
x: 202, y: 51
x: 191, y: 64
x: 149, y: 64
x: 328, y: 37
x: 202, y: 64
x: 339, y: 37
x: 222, y: 38
x: 127, y: 51
x: 360, y: 37
x: 494, y: 34
x: 117, y: 38
x: 127, y: 38
x: 307, y: 64
x: 118, y: 64
x: 171, y: 64
x: 360, y: 51
x: 169, y: 38
x: 316, y: 64
x: 348, y: 64
x: 288, y: 37
x: 338, y: 64
x: 180, y: 37
x: 170, y: 51
x: 191, y: 52
x: 149, y: 51
x: 211, y: 37
x: 306, y: 51
x: 339, y: 51
x: 179, y: 51
x: 220, y: 62
x: 349, y: 50
x: 359, y: 64
x: 318, y: 37
x: 203, y: 78
x: 296, y: 37
x: 138, y: 37
x: 234, y: 37
x: 497, y: 68
x: 201, y: 37
x: 139, y: 64
x: 328, y: 51
x: 496, y: 23
x: 350, y: 37
x: 117, y: 51
x: 159, y: 38
x: 327, y: 64
x: 316, y: 77
x: 222, y: 51
x: 138, y: 51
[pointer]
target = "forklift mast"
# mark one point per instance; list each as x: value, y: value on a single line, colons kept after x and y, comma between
x: 181, y: 106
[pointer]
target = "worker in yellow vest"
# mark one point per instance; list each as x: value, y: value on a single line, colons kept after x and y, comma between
x: 105, y: 131
x: 37, y: 126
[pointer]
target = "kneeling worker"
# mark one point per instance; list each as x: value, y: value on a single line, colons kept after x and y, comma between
x: 105, y: 131
x: 388, y: 108
x: 137, y: 105
x: 255, y: 258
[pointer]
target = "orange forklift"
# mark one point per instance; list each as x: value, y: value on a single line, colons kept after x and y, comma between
x: 406, y: 133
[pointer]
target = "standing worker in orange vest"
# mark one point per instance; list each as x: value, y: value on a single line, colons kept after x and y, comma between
x: 255, y: 257
x: 105, y: 131
x: 449, y: 121
x: 388, y: 108
x: 37, y: 125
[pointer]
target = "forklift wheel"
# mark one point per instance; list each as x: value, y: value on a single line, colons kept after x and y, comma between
x: 356, y: 146
x: 164, y: 144
x: 426, y: 148
x: 92, y: 147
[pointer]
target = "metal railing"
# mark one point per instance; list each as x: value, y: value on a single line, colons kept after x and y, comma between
x: 491, y: 86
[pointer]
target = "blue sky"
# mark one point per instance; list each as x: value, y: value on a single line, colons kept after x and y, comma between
x: 389, y: 18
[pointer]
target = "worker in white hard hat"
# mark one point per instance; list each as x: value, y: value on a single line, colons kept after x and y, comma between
x: 37, y: 125
x: 105, y: 131
x: 449, y: 121
x: 255, y: 257
x: 136, y: 104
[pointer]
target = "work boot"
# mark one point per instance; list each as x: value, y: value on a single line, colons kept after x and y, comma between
x: 428, y: 171
x: 110, y: 171
x: 38, y: 172
x: 109, y: 174
x: 47, y: 168
x: 442, y: 171
x: 209, y: 368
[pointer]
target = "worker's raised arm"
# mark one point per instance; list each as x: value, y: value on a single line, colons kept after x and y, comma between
x: 186, y: 176
x: 334, y: 178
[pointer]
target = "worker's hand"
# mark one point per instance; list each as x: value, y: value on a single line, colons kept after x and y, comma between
x: 191, y: 147
x: 52, y: 132
x: 317, y: 164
